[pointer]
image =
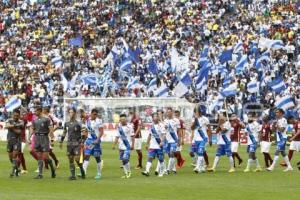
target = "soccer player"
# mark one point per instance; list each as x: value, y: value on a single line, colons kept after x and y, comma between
x: 295, y: 139
x: 73, y: 129
x: 252, y: 130
x: 155, y: 144
x: 14, y: 127
x: 200, y: 138
x: 54, y: 121
x: 125, y: 138
x: 237, y: 125
x: 172, y: 126
x: 279, y: 126
x: 42, y: 128
x: 181, y: 132
x: 92, y: 144
x: 224, y: 143
x: 137, y: 126
x: 265, y: 139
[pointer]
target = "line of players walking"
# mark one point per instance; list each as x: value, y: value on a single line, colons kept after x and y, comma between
x: 166, y: 136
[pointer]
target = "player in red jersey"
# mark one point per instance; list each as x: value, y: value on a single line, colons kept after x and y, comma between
x: 295, y: 139
x: 265, y: 138
x: 181, y: 132
x: 137, y: 126
x: 237, y: 125
x: 46, y: 112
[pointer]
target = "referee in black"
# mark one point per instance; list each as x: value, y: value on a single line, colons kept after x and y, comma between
x: 73, y: 129
x: 14, y: 126
x: 42, y: 128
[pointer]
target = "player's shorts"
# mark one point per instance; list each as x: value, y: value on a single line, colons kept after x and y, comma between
x: 23, y: 145
x: 124, y: 154
x: 251, y: 148
x: 171, y: 148
x: 193, y: 148
x: 14, y: 144
x: 165, y: 147
x: 281, y: 145
x: 156, y: 153
x: 265, y: 146
x: 295, y: 146
x: 73, y: 148
x: 200, y: 147
x: 95, y: 151
x: 138, y: 144
x: 42, y: 143
x: 224, y: 149
x: 234, y: 147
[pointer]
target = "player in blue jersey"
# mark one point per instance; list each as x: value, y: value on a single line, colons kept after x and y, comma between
x: 155, y: 144
x: 125, y: 138
x: 280, y: 127
x: 253, y: 130
x: 200, y: 138
x: 92, y: 144
x: 224, y: 143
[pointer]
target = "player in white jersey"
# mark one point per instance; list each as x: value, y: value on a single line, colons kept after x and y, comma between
x: 253, y: 130
x: 92, y: 145
x: 200, y: 138
x: 172, y: 126
x: 125, y: 138
x: 155, y: 144
x: 224, y: 143
x: 280, y: 127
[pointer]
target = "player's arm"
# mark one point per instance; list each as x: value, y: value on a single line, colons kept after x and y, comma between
x: 51, y: 132
x: 8, y: 125
x: 115, y: 142
x: 138, y: 130
x: 296, y: 135
x: 63, y: 137
x: 101, y: 133
x: 209, y: 134
x: 148, y: 141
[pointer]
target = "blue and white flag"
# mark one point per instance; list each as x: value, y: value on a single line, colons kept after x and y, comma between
x: 134, y: 83
x: 57, y: 61
x: 162, y: 91
x: 240, y: 66
x: 202, y: 77
x: 253, y: 87
x: 277, y: 85
x: 231, y: 90
x: 90, y: 79
x: 152, y: 85
x: 217, y: 104
x: 77, y: 41
x: 182, y: 86
x: 265, y: 56
x: 126, y: 65
x: 203, y: 56
x: 238, y: 47
x: 285, y: 102
x: 226, y: 56
x: 12, y: 104
x: 227, y: 81
x: 270, y: 44
x: 152, y: 66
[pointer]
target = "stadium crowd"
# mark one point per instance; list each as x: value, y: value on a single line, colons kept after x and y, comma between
x: 50, y: 48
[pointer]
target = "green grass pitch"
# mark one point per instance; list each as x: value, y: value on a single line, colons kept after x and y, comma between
x: 184, y: 185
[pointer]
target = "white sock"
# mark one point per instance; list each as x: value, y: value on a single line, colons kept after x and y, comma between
x: 85, y: 165
x: 158, y: 166
x: 199, y: 162
x: 171, y: 162
x: 274, y: 162
x: 128, y: 167
x: 249, y: 163
x: 125, y: 168
x: 257, y: 163
x: 217, y: 158
x: 287, y: 162
x: 231, y: 161
x: 162, y: 168
x: 99, y: 167
x: 194, y: 158
x: 148, y: 166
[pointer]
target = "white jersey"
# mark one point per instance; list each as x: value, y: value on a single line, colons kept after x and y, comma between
x: 158, y: 134
x: 93, y: 127
x: 281, y: 123
x: 226, y: 134
x: 253, y: 131
x: 201, y: 125
x: 171, y: 125
x: 125, y: 134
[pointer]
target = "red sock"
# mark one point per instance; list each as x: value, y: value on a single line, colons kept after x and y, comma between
x: 22, y: 161
x: 140, y: 157
x: 290, y: 155
x: 34, y: 155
